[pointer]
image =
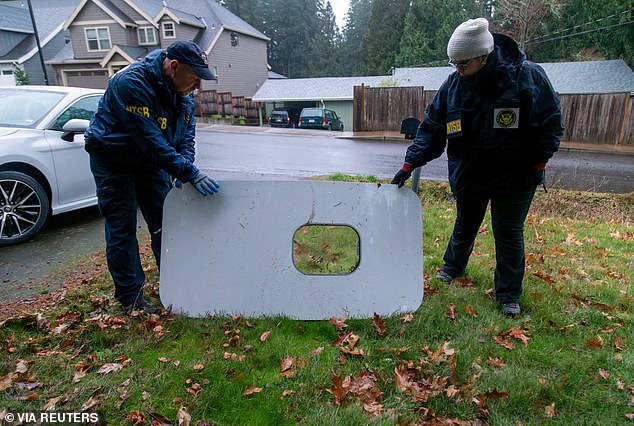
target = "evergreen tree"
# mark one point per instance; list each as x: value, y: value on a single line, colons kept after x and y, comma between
x: 357, y: 21
x: 289, y: 25
x: 383, y: 37
x: 21, y: 76
x: 381, y: 34
x: 587, y: 30
x: 304, y: 35
x: 325, y: 57
x: 248, y: 10
x: 428, y: 26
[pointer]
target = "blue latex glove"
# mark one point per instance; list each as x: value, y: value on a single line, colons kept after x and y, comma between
x: 178, y: 183
x: 204, y: 184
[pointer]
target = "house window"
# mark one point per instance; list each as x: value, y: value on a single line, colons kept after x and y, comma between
x: 98, y: 38
x: 7, y: 72
x: 146, y: 35
x: 168, y: 30
x: 235, y: 39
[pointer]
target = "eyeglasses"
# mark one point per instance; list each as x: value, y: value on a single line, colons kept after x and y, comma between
x: 461, y: 65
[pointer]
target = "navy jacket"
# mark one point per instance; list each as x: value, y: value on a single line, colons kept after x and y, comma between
x: 142, y: 118
x: 496, y: 124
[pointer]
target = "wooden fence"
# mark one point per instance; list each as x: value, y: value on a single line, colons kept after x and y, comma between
x: 211, y: 102
x: 598, y: 118
x: 383, y: 108
x: 592, y: 118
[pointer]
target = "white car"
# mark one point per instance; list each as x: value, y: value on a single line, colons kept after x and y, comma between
x: 44, y: 168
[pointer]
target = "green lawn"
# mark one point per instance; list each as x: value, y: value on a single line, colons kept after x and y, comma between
x: 568, y: 360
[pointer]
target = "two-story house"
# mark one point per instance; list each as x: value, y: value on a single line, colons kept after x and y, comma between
x: 18, y: 46
x: 107, y: 35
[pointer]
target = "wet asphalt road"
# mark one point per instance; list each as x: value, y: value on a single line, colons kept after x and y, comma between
x: 247, y: 156
x: 70, y: 239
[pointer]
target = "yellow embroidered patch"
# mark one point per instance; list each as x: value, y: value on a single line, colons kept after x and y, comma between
x: 454, y: 127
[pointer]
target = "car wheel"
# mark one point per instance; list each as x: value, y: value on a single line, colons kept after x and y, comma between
x: 24, y: 207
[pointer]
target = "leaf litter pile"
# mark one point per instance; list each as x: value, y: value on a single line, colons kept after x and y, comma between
x: 455, y: 361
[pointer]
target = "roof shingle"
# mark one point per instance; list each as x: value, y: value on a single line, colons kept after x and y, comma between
x: 613, y: 76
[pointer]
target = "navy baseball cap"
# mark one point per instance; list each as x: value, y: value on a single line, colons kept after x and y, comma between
x: 188, y: 52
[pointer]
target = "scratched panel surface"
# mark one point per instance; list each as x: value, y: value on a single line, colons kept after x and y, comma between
x: 231, y: 253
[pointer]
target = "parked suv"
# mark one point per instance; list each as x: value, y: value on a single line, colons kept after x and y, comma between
x: 320, y: 118
x: 284, y: 117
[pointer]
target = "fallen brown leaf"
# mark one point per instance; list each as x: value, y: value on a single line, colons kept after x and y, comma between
x: 379, y: 324
x: 265, y: 336
x: 503, y: 342
x: 339, y: 389
x: 452, y: 312
x: 339, y: 323
x: 50, y: 404
x: 604, y: 374
x: 251, y: 389
x: 496, y: 362
x: 317, y: 351
x: 159, y: 420
x: 470, y: 311
x: 110, y: 368
x: 136, y: 417
x: 596, y: 342
x: 92, y: 402
x: 442, y: 354
x: 182, y: 417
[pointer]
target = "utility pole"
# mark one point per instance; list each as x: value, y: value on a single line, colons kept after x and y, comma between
x: 37, y: 41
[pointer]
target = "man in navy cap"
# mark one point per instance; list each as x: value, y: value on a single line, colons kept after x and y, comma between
x: 139, y: 140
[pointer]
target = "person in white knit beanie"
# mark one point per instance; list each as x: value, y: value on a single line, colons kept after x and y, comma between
x: 470, y: 40
x: 499, y: 120
x: 469, y: 46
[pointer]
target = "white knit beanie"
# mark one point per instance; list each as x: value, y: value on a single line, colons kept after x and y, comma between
x: 470, y: 40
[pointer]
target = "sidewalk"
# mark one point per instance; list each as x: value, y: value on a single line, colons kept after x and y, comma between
x: 573, y: 146
x: 394, y: 137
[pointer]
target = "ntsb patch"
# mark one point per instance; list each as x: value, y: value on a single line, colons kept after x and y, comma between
x: 454, y: 127
x: 506, y: 118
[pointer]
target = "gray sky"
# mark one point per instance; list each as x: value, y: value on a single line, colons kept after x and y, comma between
x: 340, y: 9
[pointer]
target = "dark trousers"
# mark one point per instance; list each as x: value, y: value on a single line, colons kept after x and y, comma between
x: 508, y: 213
x: 122, y: 186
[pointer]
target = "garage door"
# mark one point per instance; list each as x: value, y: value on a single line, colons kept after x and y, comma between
x: 96, y: 79
x: 6, y: 78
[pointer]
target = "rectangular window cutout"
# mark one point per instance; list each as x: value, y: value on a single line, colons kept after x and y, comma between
x: 326, y: 249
